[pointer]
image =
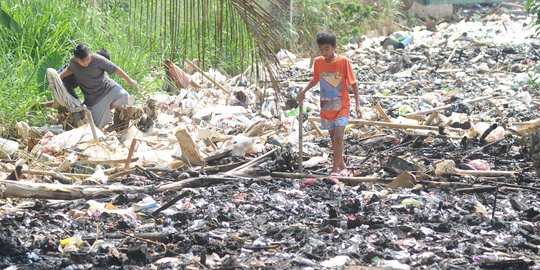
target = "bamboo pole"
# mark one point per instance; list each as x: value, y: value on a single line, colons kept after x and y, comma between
x: 300, y: 137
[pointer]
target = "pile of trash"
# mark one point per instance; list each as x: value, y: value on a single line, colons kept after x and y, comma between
x: 444, y: 166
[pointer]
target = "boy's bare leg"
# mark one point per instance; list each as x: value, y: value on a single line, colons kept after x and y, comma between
x: 339, y: 162
x: 335, y: 165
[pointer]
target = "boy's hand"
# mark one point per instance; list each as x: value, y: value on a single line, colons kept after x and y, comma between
x: 301, y: 97
x: 133, y: 84
x: 358, y: 112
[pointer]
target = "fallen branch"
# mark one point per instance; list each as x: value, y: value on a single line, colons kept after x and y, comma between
x: 251, y: 162
x: 350, y: 180
x: 108, y: 162
x: 65, y: 178
x: 394, y: 125
x: 25, y: 189
x: 197, y: 182
x: 477, y: 189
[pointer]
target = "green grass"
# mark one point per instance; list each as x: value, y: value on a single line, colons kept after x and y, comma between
x: 48, y: 32
x: 348, y: 19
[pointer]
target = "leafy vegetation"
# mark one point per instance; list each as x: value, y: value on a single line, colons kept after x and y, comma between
x: 349, y: 19
x: 36, y: 35
x: 139, y: 34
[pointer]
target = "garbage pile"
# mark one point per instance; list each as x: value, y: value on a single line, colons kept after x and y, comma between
x: 443, y: 162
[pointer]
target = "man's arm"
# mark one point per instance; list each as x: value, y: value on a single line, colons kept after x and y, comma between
x: 66, y: 72
x: 126, y: 77
x: 356, y: 100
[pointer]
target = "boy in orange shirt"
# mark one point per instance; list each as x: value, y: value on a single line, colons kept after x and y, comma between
x: 334, y: 73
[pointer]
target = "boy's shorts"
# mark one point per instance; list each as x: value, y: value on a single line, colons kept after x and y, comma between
x: 332, y: 124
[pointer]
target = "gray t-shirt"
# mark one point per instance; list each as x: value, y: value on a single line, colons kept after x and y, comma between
x: 93, y: 80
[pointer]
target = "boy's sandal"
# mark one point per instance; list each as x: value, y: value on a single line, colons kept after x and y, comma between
x: 335, y: 174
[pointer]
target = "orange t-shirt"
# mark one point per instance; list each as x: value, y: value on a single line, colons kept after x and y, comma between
x: 334, y: 79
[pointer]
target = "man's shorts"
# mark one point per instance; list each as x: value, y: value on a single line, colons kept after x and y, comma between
x: 101, y: 111
x: 332, y: 124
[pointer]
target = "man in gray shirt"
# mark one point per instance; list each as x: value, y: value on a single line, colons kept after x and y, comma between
x: 101, y: 93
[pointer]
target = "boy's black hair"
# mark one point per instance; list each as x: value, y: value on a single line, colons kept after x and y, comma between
x: 104, y: 53
x: 81, y: 51
x: 327, y: 37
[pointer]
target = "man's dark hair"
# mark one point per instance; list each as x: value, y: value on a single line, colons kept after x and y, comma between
x: 326, y: 37
x: 104, y: 53
x: 81, y: 51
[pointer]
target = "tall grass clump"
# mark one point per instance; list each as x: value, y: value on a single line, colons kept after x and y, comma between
x: 349, y: 19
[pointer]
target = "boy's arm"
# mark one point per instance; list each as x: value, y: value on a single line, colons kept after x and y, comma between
x: 126, y: 77
x: 66, y: 72
x: 302, y: 93
x: 356, y: 100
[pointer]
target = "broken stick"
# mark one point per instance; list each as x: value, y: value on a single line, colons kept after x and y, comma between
x: 130, y: 154
x: 251, y: 162
x: 208, y: 77
x: 92, y: 125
